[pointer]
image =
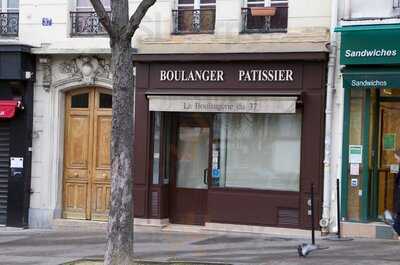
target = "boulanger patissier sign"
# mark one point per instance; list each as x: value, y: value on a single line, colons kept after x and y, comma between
x: 206, y: 75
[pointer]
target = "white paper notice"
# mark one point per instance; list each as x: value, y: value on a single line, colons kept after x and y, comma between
x: 394, y: 168
x: 354, y: 169
x: 16, y: 162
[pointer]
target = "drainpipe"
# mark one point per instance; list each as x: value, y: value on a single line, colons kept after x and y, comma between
x: 347, y: 9
x: 326, y: 220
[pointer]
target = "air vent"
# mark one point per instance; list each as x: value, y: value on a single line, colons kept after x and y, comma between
x: 288, y: 216
x: 155, y: 204
x: 4, y: 168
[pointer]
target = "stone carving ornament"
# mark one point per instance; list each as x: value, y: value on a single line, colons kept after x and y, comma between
x: 87, y: 68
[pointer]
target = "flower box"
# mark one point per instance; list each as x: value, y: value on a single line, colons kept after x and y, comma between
x: 263, y: 11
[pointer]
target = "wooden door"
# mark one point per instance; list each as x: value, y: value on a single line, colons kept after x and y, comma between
x: 192, y: 164
x: 87, y: 154
x: 390, y: 141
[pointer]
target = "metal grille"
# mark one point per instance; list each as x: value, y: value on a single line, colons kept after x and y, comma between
x: 4, y: 168
x: 86, y: 24
x: 189, y: 21
x: 155, y: 204
x: 288, y: 216
x: 9, y: 24
x: 265, y: 24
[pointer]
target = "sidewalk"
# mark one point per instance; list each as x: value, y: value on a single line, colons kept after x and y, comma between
x: 23, y: 247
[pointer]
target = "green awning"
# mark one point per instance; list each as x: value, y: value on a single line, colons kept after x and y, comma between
x: 371, y: 77
x: 367, y: 27
x: 370, y: 44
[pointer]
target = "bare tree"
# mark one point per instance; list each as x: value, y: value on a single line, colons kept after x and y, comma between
x: 121, y: 29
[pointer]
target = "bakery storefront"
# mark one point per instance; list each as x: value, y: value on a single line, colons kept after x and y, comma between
x: 234, y: 139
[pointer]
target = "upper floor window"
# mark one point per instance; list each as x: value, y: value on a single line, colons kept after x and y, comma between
x: 9, y: 17
x: 265, y: 16
x: 84, y: 21
x: 194, y: 16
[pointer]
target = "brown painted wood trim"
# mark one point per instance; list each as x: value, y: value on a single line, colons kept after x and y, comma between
x: 226, y: 57
x: 197, y: 92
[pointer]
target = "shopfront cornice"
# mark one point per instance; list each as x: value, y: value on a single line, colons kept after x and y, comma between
x: 224, y: 57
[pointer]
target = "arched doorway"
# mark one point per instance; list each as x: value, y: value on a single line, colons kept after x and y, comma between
x: 87, y: 179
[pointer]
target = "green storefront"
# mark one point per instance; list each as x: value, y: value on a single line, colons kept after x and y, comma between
x: 371, y: 132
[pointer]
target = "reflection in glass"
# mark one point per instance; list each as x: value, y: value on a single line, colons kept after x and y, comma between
x: 105, y: 101
x: 259, y: 151
x: 192, y: 157
x: 80, y: 101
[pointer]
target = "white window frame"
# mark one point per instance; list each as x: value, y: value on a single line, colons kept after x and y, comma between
x: 196, y: 4
x: 5, y: 9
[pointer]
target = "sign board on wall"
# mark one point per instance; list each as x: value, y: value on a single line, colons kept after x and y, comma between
x: 226, y: 104
x: 389, y: 141
x: 370, y: 44
x: 355, y: 154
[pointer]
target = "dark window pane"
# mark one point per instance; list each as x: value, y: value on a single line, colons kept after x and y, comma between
x: 80, y: 101
x: 105, y: 101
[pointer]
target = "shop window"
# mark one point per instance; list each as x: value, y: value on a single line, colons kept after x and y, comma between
x: 194, y: 16
x: 105, y: 101
x: 80, y: 101
x: 161, y: 162
x: 263, y: 16
x: 156, y: 147
x: 84, y: 21
x: 257, y: 151
x: 9, y: 17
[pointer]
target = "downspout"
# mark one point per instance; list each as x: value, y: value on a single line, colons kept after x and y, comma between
x: 347, y: 9
x: 326, y: 220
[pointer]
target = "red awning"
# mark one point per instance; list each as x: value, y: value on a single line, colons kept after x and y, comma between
x: 7, y: 108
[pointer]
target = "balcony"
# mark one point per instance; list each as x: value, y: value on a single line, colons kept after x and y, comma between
x: 265, y: 24
x: 9, y: 23
x: 193, y: 21
x: 86, y: 24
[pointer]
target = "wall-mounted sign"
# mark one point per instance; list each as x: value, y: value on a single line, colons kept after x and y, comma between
x: 16, y: 162
x: 389, y: 141
x: 47, y: 22
x: 204, y: 75
x: 230, y: 104
x: 370, y: 44
x: 354, y: 183
x: 355, y: 154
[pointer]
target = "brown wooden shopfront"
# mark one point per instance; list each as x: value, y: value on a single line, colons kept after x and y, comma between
x: 162, y: 136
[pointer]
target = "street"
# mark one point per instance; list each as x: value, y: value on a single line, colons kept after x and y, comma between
x: 23, y: 247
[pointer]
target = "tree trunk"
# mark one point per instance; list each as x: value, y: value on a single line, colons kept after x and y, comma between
x: 120, y: 226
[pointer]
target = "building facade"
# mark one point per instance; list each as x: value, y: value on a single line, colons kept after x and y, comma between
x: 269, y: 57
x: 368, y: 108
x: 212, y: 147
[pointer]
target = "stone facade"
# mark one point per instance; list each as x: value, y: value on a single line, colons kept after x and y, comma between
x: 66, y: 62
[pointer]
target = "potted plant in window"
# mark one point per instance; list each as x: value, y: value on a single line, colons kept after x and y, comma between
x: 263, y: 11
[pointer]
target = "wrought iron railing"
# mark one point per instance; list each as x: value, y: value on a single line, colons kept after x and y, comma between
x: 265, y: 24
x: 86, y: 24
x: 188, y: 21
x: 9, y: 24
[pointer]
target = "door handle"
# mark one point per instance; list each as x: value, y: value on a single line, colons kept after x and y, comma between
x: 205, y: 174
